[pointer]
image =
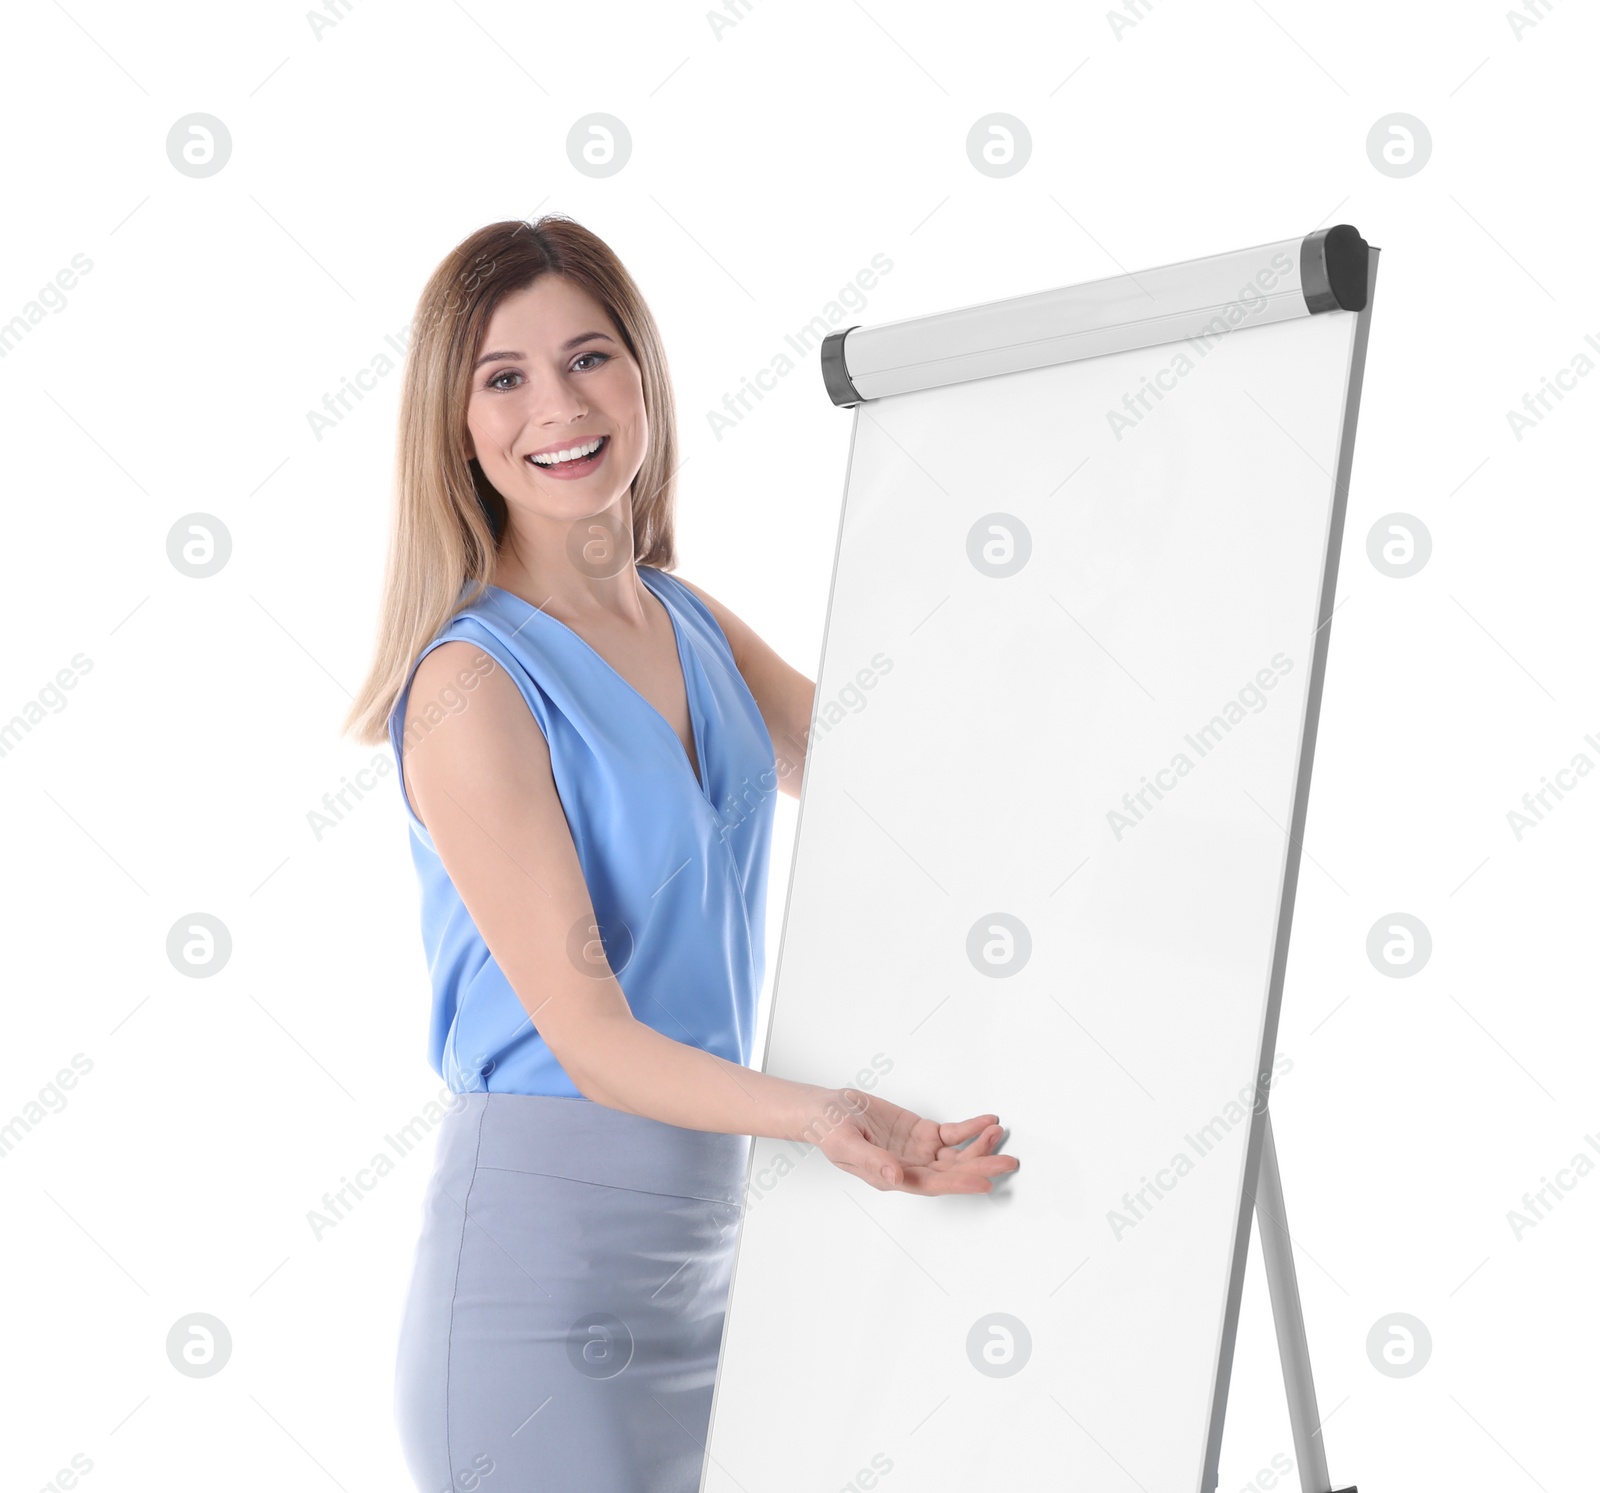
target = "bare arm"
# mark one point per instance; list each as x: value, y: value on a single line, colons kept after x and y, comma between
x: 480, y: 780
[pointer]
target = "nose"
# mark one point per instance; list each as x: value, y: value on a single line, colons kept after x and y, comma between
x: 555, y: 400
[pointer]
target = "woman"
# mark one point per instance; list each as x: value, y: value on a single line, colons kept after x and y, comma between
x: 586, y: 745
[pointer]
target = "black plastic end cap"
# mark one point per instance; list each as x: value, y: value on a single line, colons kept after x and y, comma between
x: 835, y: 376
x: 1333, y: 269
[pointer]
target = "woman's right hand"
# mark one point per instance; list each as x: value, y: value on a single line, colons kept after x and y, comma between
x: 894, y: 1150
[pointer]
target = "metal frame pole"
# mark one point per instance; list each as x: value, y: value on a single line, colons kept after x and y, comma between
x: 1277, y: 1254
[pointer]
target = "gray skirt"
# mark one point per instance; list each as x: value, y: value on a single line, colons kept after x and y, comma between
x: 565, y: 1311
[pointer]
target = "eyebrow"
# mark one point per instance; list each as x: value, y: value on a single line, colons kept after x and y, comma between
x: 567, y: 346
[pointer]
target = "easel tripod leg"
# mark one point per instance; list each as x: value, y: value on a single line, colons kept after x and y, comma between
x: 1277, y: 1254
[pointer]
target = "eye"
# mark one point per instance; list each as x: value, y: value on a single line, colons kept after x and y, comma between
x: 494, y: 380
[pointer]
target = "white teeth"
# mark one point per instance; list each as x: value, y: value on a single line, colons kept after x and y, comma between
x: 549, y: 459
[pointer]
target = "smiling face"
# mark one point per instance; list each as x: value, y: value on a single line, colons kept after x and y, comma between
x: 551, y: 379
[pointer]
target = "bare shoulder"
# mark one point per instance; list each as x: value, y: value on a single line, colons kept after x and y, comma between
x: 450, y: 665
x: 467, y: 726
x: 457, y: 676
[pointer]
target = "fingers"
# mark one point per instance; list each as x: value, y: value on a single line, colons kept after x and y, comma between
x: 927, y: 1181
x: 962, y: 1172
x: 887, y: 1173
x: 953, y: 1133
x: 969, y: 1168
x: 944, y: 1166
x: 983, y: 1143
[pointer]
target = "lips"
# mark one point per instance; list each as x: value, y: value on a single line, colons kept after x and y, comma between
x: 568, y: 471
x: 567, y: 445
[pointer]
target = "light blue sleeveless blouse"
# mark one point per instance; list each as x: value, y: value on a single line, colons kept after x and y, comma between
x: 677, y: 871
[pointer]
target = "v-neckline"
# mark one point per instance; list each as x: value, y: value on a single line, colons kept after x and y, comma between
x: 683, y: 666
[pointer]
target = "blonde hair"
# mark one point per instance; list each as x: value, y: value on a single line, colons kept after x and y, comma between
x: 447, y: 516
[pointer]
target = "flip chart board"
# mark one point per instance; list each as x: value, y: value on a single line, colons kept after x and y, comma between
x: 1045, y: 865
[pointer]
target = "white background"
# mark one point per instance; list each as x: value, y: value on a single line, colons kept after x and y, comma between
x: 770, y: 161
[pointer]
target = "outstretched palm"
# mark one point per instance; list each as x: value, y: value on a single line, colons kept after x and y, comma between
x: 861, y: 1134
